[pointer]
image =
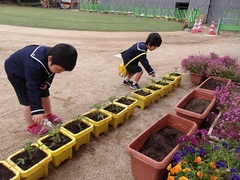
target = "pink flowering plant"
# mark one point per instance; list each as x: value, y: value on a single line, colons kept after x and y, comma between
x: 228, y: 105
x: 224, y: 66
x: 212, y: 65
x: 195, y: 64
x: 201, y: 158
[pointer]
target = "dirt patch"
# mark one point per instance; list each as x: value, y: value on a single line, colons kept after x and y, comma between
x: 93, y: 81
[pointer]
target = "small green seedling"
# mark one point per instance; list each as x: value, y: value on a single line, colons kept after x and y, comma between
x: 111, y: 99
x: 55, y: 135
x: 98, y: 107
x: 32, y: 150
x: 79, y: 119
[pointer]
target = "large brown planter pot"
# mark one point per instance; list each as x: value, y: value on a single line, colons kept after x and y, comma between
x: 197, y: 78
x: 193, y: 116
x: 144, y: 167
x: 208, y: 86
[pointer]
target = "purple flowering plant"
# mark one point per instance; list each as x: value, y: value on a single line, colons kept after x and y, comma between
x: 195, y: 64
x: 224, y: 66
x: 212, y: 65
x: 228, y: 104
x: 201, y: 158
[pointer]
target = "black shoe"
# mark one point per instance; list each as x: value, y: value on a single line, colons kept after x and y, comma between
x: 127, y: 82
x: 135, y: 86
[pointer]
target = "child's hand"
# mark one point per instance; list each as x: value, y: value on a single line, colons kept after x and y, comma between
x: 38, y: 118
x: 43, y: 86
x: 153, y: 75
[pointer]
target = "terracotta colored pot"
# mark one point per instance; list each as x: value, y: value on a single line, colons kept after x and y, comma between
x: 144, y: 167
x: 197, y: 78
x: 195, y: 117
x: 204, y: 83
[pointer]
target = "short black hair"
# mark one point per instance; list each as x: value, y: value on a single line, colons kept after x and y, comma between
x: 64, y: 55
x: 154, y: 39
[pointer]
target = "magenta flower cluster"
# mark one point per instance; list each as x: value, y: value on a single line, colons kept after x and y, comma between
x: 224, y: 66
x: 195, y: 64
x: 228, y: 103
x: 212, y: 65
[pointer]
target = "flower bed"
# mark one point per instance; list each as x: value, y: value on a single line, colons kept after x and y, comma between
x: 212, y: 65
x: 213, y: 152
x: 200, y: 158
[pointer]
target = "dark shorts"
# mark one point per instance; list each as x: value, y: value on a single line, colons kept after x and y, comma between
x: 19, y: 86
x: 133, y: 69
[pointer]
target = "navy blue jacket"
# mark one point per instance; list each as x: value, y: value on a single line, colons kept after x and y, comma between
x: 31, y: 64
x: 135, y: 50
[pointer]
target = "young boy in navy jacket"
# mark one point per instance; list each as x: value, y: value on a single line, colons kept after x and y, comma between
x: 153, y: 41
x: 31, y: 71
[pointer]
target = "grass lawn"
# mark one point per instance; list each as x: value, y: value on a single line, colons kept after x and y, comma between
x: 54, y: 18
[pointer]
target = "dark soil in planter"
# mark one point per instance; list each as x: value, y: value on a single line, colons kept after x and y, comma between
x: 54, y: 146
x: 142, y: 93
x: 5, y: 173
x: 154, y: 88
x: 159, y: 144
x: 95, y: 116
x: 169, y: 79
x: 75, y: 127
x: 162, y: 83
x: 212, y: 84
x: 125, y: 101
x: 40, y: 155
x: 175, y: 74
x: 113, y: 108
x: 197, y: 105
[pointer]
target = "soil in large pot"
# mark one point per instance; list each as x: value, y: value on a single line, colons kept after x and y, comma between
x: 159, y: 144
x: 197, y: 105
x: 212, y: 84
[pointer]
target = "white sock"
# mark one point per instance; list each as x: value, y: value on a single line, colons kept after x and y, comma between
x: 134, y: 82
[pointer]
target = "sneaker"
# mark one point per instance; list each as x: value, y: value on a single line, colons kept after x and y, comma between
x: 127, y: 82
x: 37, y: 130
x: 135, y: 86
x: 54, y: 119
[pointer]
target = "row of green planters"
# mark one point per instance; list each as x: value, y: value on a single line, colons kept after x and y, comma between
x: 31, y: 162
x: 191, y: 112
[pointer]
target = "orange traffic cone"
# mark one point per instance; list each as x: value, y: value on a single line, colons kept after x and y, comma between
x: 211, y: 30
x: 194, y: 29
x: 199, y: 27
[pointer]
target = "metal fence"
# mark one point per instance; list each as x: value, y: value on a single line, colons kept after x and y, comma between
x: 168, y: 13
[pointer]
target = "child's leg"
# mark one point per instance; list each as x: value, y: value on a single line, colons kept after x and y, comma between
x: 48, y: 111
x: 138, y: 76
x: 27, y: 115
x: 46, y: 105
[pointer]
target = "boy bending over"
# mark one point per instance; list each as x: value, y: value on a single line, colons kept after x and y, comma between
x: 31, y: 70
